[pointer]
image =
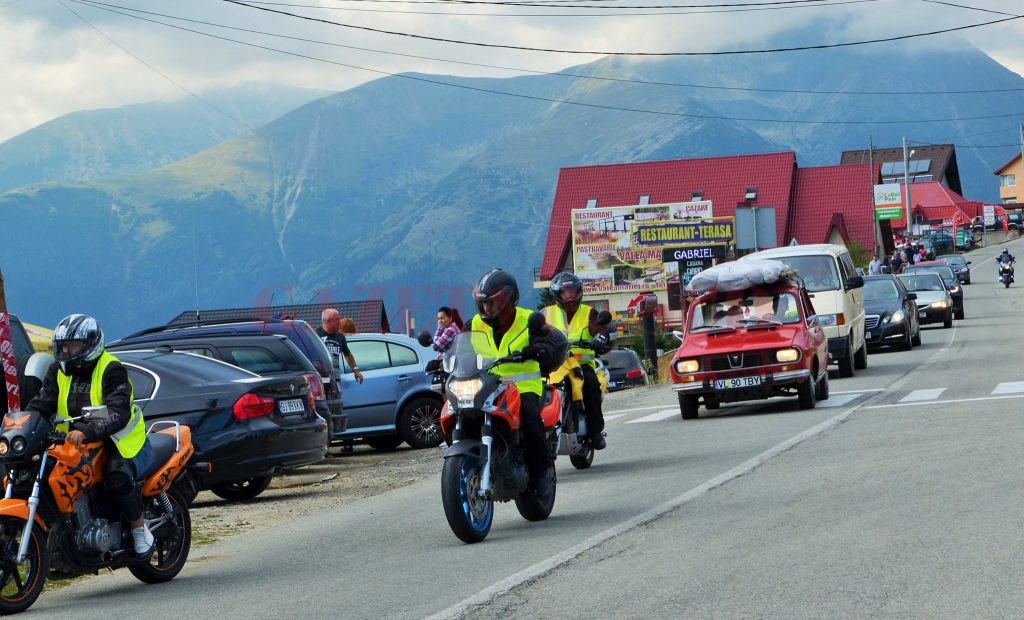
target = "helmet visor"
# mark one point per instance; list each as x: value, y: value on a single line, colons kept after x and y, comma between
x: 65, y: 350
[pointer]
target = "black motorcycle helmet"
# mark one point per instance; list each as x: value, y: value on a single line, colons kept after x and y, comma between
x: 567, y: 289
x: 77, y: 342
x: 496, y: 296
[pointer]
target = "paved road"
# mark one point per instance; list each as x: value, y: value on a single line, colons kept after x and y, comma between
x: 899, y: 496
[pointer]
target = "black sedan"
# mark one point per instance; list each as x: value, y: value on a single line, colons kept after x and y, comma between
x: 948, y: 278
x: 890, y: 313
x: 959, y: 265
x: 246, y: 426
x: 624, y: 369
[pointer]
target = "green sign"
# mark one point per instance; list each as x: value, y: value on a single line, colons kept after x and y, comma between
x: 889, y: 213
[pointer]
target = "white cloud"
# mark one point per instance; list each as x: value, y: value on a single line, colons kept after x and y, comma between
x: 55, y: 64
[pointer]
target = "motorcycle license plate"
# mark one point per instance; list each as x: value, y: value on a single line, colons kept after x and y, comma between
x: 737, y: 382
x: 294, y: 405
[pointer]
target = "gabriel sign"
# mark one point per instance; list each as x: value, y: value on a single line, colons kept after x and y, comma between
x: 670, y: 255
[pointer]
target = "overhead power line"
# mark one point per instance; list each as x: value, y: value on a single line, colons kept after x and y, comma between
x: 615, y: 53
x: 567, y: 74
x: 152, y: 68
x: 571, y: 3
x: 607, y: 10
x: 565, y: 101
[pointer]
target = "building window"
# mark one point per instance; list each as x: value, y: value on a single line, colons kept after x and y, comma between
x: 697, y: 196
x: 644, y: 200
x: 1009, y: 201
x: 1008, y: 180
x: 591, y: 203
x: 751, y: 194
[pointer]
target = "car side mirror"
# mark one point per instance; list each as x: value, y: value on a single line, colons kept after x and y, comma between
x: 854, y: 282
x: 424, y: 339
x: 912, y: 296
x: 679, y: 335
x: 968, y: 262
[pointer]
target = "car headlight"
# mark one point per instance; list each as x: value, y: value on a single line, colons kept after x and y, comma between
x: 895, y: 317
x: 787, y: 355
x: 4, y: 447
x: 827, y: 320
x: 687, y: 366
x: 465, y: 391
x: 18, y: 445
x: 940, y: 304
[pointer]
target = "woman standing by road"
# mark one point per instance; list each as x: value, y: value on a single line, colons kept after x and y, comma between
x: 449, y: 325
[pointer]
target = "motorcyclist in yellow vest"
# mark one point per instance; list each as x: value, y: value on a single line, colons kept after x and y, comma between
x: 499, y: 319
x: 579, y: 322
x: 85, y: 374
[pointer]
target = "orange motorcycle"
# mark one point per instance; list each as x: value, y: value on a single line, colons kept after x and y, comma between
x: 485, y: 462
x: 56, y: 520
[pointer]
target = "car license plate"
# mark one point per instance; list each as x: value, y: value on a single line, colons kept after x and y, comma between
x: 291, y: 406
x: 922, y: 314
x: 737, y: 382
x: 867, y: 335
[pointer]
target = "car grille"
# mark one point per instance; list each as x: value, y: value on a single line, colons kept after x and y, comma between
x: 739, y: 360
x: 871, y: 321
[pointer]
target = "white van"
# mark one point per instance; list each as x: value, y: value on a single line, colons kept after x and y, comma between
x: 834, y: 286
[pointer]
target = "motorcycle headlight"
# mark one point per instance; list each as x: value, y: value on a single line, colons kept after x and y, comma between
x: 4, y: 447
x: 687, y: 366
x: 18, y: 445
x: 465, y: 391
x: 787, y: 355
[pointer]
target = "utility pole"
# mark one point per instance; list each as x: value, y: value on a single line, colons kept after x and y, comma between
x: 1019, y: 181
x: 875, y: 226
x: 906, y: 184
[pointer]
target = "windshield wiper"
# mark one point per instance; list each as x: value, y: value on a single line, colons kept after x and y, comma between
x: 754, y: 322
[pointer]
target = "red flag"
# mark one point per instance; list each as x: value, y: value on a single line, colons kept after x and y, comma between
x: 9, y: 368
x: 959, y: 219
x: 1002, y: 219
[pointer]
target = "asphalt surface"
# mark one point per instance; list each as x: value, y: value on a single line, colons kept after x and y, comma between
x: 899, y: 496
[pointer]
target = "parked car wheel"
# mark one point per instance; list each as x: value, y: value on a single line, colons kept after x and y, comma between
x: 948, y: 322
x: 242, y: 490
x: 419, y: 423
x: 916, y: 340
x: 384, y: 443
x: 689, y: 407
x: 846, y: 363
x: 807, y: 391
x: 909, y: 344
x: 960, y: 313
x: 860, y: 359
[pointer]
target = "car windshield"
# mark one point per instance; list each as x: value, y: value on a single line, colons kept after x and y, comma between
x: 943, y: 271
x: 745, y: 309
x: 880, y: 290
x: 818, y: 272
x: 957, y: 261
x: 922, y: 282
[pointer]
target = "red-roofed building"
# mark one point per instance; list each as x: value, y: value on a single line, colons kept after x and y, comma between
x: 933, y: 202
x: 829, y: 204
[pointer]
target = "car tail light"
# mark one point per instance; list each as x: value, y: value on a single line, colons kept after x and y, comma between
x: 636, y: 373
x: 316, y: 387
x: 253, y: 405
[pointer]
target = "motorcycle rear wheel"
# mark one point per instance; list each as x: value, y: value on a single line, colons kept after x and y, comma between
x: 584, y: 460
x: 20, y: 584
x: 172, y: 541
x: 530, y: 505
x: 469, y: 515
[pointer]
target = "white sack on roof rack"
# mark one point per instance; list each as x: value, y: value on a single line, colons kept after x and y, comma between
x: 740, y: 275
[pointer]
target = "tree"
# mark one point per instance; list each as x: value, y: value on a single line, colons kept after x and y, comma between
x: 546, y: 299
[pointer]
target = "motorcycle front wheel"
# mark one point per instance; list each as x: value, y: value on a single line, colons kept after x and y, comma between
x: 469, y: 515
x: 20, y: 584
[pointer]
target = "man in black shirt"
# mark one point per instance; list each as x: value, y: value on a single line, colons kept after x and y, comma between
x: 335, y: 341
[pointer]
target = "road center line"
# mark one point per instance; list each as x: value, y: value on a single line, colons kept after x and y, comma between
x: 920, y: 395
x: 543, y: 567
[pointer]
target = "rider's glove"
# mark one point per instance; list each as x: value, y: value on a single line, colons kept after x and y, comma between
x: 601, y: 343
x: 530, y: 352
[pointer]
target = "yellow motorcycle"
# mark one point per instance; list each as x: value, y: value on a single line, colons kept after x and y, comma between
x: 572, y: 437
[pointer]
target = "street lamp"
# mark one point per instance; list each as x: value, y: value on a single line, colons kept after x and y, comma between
x: 906, y: 182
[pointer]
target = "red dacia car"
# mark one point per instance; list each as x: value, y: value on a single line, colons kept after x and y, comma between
x: 751, y: 344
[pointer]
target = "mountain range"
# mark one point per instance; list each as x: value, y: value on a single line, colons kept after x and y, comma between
x: 404, y: 188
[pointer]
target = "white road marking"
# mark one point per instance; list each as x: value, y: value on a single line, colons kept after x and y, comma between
x: 840, y: 400
x: 832, y: 392
x: 637, y: 409
x: 614, y: 417
x: 917, y: 395
x: 656, y: 417
x: 1013, y: 387
x: 936, y: 403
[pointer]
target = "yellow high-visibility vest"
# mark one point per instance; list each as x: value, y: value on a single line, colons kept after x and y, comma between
x: 129, y: 440
x: 526, y: 375
x: 577, y: 329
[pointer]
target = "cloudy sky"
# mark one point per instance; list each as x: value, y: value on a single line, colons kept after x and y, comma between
x: 59, y: 56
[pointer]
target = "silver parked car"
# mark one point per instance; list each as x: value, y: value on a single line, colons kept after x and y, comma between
x: 395, y: 402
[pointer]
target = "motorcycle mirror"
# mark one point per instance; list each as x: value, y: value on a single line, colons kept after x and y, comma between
x: 424, y: 339
x: 96, y: 413
x: 536, y: 322
x: 604, y: 318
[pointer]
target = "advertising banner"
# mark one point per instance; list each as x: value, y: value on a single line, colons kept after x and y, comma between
x: 10, y: 368
x: 889, y: 201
